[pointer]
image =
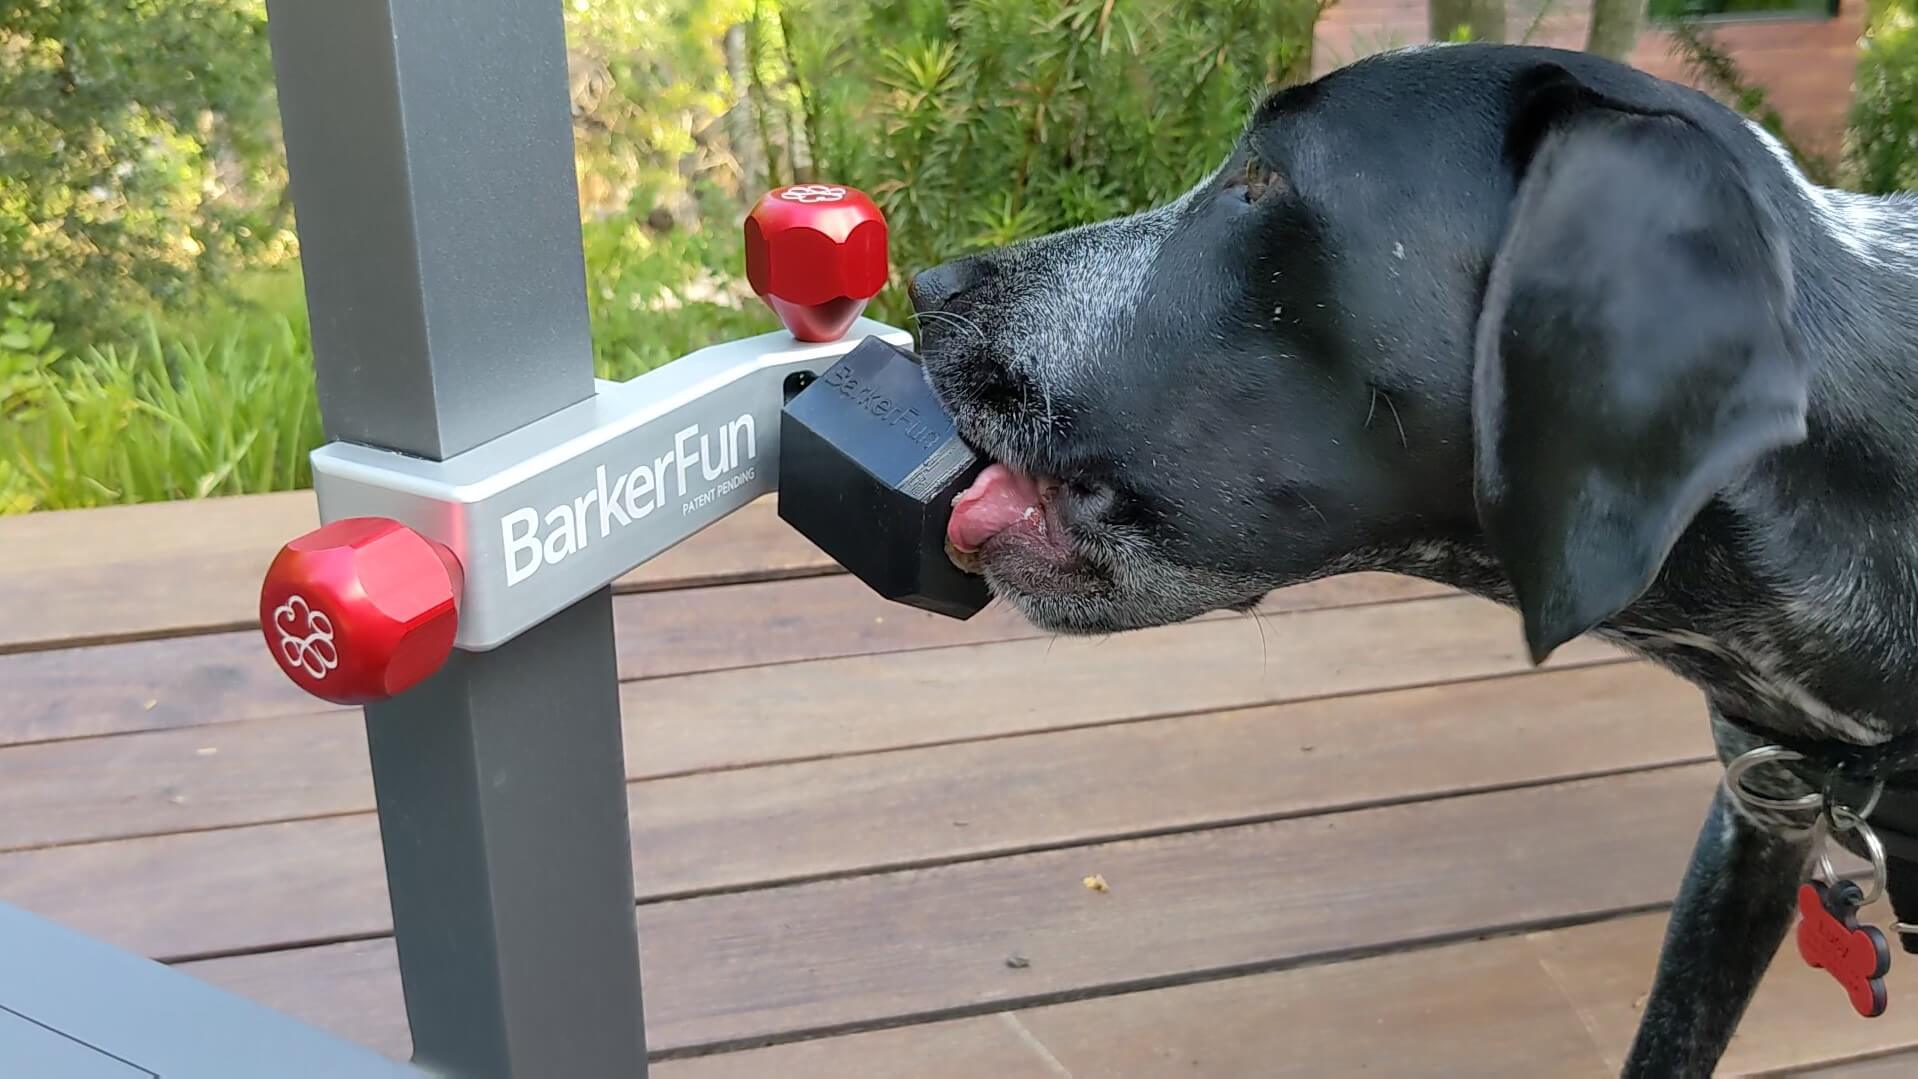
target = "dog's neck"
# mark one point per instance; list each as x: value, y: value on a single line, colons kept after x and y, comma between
x: 1793, y: 598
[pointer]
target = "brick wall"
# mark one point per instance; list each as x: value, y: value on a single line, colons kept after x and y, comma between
x: 1805, y: 64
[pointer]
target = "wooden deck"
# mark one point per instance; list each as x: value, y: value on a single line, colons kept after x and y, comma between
x: 1358, y: 835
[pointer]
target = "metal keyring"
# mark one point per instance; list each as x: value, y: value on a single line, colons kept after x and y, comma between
x: 1874, y: 849
x: 1735, y: 774
x: 1871, y: 802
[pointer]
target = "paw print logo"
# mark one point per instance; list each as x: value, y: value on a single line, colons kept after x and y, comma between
x: 306, y: 637
x: 810, y: 193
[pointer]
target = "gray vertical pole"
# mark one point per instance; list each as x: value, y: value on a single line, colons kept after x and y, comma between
x: 429, y: 145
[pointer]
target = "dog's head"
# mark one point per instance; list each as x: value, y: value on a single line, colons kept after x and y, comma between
x: 1524, y: 300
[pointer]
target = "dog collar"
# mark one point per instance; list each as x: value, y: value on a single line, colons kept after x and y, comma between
x: 1870, y: 792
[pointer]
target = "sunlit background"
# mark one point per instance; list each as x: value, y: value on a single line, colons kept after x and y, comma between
x: 152, y: 338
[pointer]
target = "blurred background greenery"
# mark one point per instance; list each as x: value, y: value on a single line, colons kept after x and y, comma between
x: 152, y: 334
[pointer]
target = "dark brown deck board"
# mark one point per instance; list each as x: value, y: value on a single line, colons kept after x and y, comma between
x: 226, y: 677
x: 1484, y: 1008
x: 1894, y: 1065
x: 800, y: 711
x: 162, y: 569
x: 817, y: 958
x: 1799, y: 1017
x: 277, y: 769
x: 982, y: 1047
x: 269, y: 885
x: 849, y: 813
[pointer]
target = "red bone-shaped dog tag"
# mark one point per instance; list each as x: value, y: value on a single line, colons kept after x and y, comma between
x: 1830, y: 939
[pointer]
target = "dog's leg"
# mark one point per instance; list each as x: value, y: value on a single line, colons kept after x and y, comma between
x: 1730, y: 917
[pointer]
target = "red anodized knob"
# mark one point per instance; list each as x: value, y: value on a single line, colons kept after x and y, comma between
x: 361, y: 609
x: 816, y: 253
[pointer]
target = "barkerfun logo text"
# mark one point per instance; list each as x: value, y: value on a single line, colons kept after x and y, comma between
x: 617, y: 499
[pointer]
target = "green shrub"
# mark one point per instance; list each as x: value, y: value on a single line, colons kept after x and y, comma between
x: 656, y: 296
x: 1883, y: 143
x: 984, y: 123
x: 138, y: 158
x: 231, y: 413
x: 974, y: 124
x: 27, y: 352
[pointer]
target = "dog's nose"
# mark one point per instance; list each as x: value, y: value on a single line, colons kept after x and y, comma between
x: 931, y: 290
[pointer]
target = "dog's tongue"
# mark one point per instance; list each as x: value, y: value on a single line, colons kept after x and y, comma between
x: 999, y: 499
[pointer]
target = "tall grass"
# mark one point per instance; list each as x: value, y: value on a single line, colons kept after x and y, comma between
x: 229, y: 413
x: 220, y: 399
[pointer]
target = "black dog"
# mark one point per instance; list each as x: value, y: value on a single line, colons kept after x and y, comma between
x: 1521, y: 321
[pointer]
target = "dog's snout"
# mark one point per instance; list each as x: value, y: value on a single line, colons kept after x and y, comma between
x: 932, y: 290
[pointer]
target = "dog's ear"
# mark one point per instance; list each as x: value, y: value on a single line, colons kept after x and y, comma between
x: 1635, y: 352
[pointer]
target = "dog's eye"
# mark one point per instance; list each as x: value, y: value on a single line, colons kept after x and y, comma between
x: 1254, y: 180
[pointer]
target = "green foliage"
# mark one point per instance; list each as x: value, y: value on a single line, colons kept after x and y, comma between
x: 231, y: 413
x: 137, y: 157
x: 656, y: 297
x: 27, y: 352
x: 1883, y: 144
x: 150, y: 348
x: 974, y: 124
x: 648, y: 82
x: 989, y: 122
x: 1719, y: 73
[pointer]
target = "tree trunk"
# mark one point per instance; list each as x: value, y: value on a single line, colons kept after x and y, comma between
x: 1482, y: 20
x: 1615, y: 26
x: 739, y: 119
x: 1292, y: 56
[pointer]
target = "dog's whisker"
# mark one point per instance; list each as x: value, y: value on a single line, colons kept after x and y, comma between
x: 925, y: 317
x: 1265, y: 646
x: 1395, y: 418
x: 1308, y: 505
x: 952, y: 319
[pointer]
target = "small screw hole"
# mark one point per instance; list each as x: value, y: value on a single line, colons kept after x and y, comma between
x: 798, y: 381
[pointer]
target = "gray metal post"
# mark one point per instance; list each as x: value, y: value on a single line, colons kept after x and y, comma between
x: 430, y: 152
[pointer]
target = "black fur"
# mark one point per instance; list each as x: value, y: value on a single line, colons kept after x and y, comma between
x: 1522, y: 321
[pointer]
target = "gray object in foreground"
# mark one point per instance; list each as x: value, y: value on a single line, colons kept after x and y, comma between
x: 74, y: 1008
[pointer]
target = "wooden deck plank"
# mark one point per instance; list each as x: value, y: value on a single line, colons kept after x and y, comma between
x: 121, y: 573
x: 832, y: 707
x: 1800, y: 1018
x: 98, y: 574
x: 287, y: 768
x: 257, y: 887
x: 994, y: 1046
x: 226, y: 677
x: 1484, y: 1008
x: 730, y: 970
x: 1895, y: 1065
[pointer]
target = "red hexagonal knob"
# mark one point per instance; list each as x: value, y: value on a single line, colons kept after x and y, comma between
x: 816, y: 253
x: 361, y: 609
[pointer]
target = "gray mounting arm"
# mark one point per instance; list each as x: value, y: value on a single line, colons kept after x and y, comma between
x: 548, y: 513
